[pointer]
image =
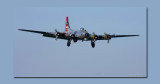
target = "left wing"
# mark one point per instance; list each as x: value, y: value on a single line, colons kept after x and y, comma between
x: 107, y: 36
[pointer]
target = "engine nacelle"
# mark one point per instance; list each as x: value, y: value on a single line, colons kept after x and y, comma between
x: 86, y: 35
x: 58, y: 34
x: 72, y: 35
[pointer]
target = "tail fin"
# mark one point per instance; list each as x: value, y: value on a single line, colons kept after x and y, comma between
x: 67, y: 27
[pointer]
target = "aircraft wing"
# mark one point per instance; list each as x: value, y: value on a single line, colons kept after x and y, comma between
x: 40, y: 32
x: 115, y: 36
x: 108, y: 37
x: 47, y: 34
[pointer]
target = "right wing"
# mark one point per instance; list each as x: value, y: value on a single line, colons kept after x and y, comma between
x: 47, y: 34
x: 40, y: 32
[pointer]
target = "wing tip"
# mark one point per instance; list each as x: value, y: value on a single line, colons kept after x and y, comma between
x: 20, y: 29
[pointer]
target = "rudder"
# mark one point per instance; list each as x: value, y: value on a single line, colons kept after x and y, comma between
x: 67, y: 25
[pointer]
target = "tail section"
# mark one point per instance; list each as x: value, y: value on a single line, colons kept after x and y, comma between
x: 67, y: 27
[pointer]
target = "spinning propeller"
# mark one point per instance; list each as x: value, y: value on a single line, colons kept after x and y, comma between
x: 57, y: 34
x: 94, y: 36
x: 107, y: 37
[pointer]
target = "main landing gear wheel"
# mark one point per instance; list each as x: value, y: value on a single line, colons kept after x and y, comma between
x: 69, y: 43
x: 93, y: 44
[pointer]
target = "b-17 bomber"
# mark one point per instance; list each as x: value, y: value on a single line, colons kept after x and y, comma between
x: 72, y: 35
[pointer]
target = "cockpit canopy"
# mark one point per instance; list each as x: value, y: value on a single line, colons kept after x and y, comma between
x: 81, y: 29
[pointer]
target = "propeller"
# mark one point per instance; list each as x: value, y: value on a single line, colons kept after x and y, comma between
x: 94, y: 36
x: 108, y: 41
x: 86, y: 36
x: 55, y: 30
x: 107, y: 37
x: 75, y: 32
x: 73, y: 35
x: 57, y: 34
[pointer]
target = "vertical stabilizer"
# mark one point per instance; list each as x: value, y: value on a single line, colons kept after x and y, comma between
x: 67, y: 27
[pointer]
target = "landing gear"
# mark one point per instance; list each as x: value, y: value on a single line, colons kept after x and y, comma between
x: 74, y: 40
x: 69, y: 43
x: 93, y: 44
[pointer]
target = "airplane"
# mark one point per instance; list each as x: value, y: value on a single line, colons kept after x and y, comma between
x: 70, y: 34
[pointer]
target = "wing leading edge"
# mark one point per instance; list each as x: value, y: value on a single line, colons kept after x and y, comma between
x: 48, y: 34
x: 40, y: 32
x: 115, y: 36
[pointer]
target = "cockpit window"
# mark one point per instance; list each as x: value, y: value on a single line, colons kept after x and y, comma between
x: 81, y: 29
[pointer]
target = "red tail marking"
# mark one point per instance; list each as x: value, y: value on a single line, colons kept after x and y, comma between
x: 67, y: 24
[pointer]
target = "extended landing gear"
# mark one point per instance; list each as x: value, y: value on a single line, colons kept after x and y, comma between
x: 69, y: 43
x: 93, y: 44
